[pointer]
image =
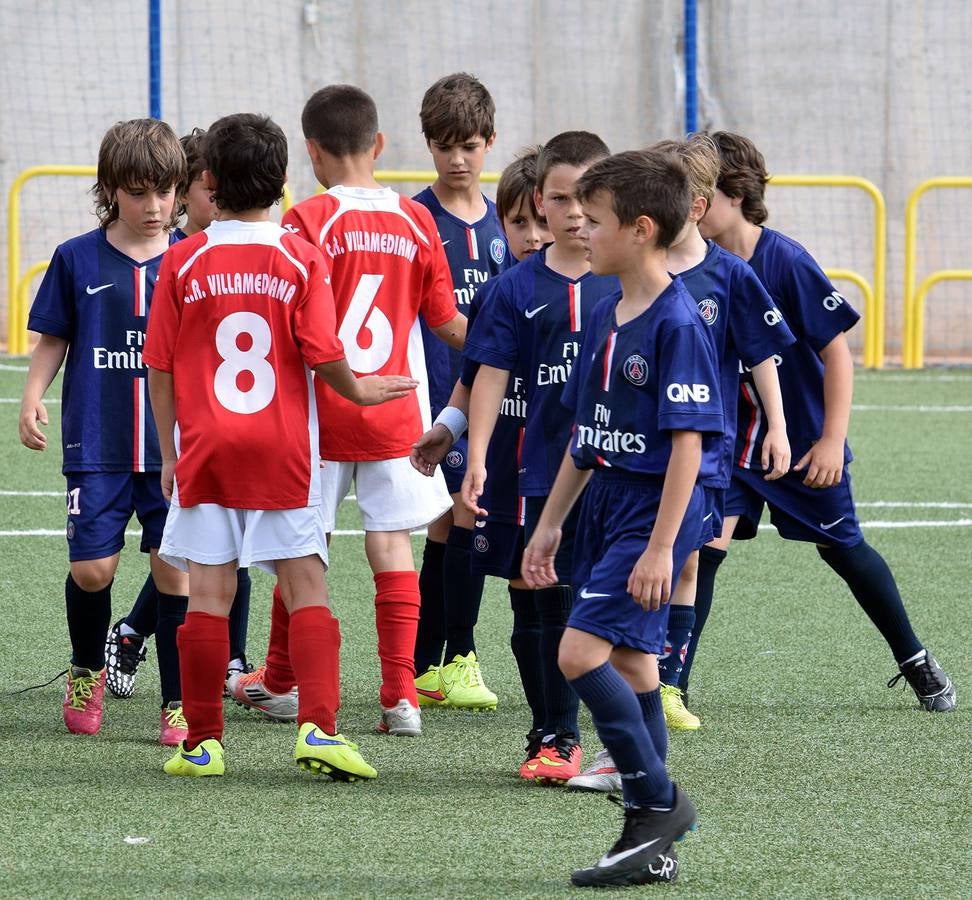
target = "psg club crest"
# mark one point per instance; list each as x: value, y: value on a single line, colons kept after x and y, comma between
x: 497, y: 249
x: 709, y: 310
x: 454, y: 459
x: 636, y: 370
x: 480, y: 543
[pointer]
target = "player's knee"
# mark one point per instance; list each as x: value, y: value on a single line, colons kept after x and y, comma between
x: 93, y: 574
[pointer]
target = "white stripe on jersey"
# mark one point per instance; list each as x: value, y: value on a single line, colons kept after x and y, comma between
x: 755, y: 424
x: 313, y: 436
x: 230, y: 233
x: 140, y: 276
x: 140, y: 423
x: 416, y: 369
x: 609, y: 359
x: 366, y: 200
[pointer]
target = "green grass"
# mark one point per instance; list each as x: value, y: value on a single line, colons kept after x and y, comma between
x: 811, y: 778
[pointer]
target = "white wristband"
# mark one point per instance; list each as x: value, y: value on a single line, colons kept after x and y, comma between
x: 453, y: 419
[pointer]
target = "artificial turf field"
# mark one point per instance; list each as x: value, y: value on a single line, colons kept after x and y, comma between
x: 810, y: 776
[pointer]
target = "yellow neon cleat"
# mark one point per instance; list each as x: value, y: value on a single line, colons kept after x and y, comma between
x: 206, y: 758
x: 330, y: 754
x: 429, y: 690
x: 462, y: 683
x: 677, y: 717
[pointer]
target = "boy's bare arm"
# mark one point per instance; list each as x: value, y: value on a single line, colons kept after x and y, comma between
x: 45, y: 362
x: 452, y: 332
x: 650, y: 582
x: 162, y: 395
x: 776, y: 445
x: 369, y: 390
x: 824, y: 461
x: 485, y: 402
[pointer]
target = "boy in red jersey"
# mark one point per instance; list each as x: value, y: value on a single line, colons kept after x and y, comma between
x: 242, y: 314
x: 387, y: 265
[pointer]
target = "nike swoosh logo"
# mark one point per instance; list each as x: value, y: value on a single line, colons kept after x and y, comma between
x: 587, y: 595
x: 530, y: 313
x: 831, y: 525
x: 706, y: 518
x: 446, y: 242
x: 480, y: 524
x: 608, y: 860
x: 202, y: 760
x: 434, y: 695
x: 316, y: 741
x: 101, y: 287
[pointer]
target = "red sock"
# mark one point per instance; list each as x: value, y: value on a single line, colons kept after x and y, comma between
x: 315, y: 644
x: 280, y: 676
x: 397, y: 602
x: 204, y: 650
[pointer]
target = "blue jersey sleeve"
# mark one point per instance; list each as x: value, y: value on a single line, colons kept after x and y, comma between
x: 689, y: 398
x: 493, y: 339
x: 54, y: 308
x: 757, y: 328
x: 817, y: 312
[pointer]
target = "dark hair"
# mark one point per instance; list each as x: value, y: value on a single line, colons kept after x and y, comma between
x: 643, y: 183
x: 342, y: 118
x: 569, y: 148
x: 742, y: 173
x: 192, y: 145
x: 247, y: 156
x: 518, y: 180
x: 140, y: 153
x: 457, y: 108
x: 701, y: 159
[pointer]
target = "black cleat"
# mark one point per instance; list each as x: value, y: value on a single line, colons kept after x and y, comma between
x: 123, y: 654
x: 644, y: 853
x: 932, y: 686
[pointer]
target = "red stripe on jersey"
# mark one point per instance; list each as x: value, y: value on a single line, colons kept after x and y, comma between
x: 519, y: 446
x: 473, y: 244
x: 574, y: 295
x: 521, y: 511
x: 609, y: 359
x: 755, y: 417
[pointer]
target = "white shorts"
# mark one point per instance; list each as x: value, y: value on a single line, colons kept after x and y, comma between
x: 213, y: 535
x: 392, y: 496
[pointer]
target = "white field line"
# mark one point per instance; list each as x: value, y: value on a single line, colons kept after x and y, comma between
x: 61, y: 494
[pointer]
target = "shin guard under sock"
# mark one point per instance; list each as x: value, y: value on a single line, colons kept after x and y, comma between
x: 681, y: 621
x: 560, y: 701
x: 239, y: 618
x: 397, y: 602
x: 710, y: 558
x: 315, y: 645
x: 462, y: 593
x: 654, y: 716
x: 203, y: 641
x: 172, y: 613
x: 525, y: 644
x: 279, y: 677
x: 88, y: 621
x: 431, y: 635
x: 145, y: 613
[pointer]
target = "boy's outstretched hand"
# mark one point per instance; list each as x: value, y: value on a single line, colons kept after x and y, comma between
x: 375, y: 389
x: 32, y: 413
x: 472, y: 489
x: 430, y: 449
x: 824, y: 463
x: 537, y: 567
x: 650, y: 581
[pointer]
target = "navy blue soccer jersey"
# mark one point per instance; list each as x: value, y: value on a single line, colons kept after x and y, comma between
x: 635, y: 383
x: 476, y: 253
x: 97, y: 298
x: 534, y: 323
x: 745, y: 327
x: 816, y: 313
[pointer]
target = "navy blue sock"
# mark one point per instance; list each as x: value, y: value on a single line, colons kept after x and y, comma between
x: 462, y: 593
x: 430, y: 637
x: 873, y: 586
x: 710, y: 558
x: 654, y: 716
x: 621, y: 726
x: 88, y: 620
x: 239, y: 618
x: 560, y: 701
x: 172, y: 613
x: 681, y: 621
x: 145, y: 612
x: 525, y: 644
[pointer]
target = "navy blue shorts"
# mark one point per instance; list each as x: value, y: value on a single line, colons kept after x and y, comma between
x: 497, y: 548
x: 564, y: 560
x: 713, y: 514
x: 799, y: 513
x: 618, y: 515
x: 99, y: 505
x: 454, y: 465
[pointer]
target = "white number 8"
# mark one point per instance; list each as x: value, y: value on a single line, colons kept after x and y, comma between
x: 237, y: 361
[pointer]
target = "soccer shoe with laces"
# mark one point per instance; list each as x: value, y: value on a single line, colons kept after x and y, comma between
x: 237, y: 667
x: 601, y: 776
x: 931, y: 685
x: 248, y: 689
x: 461, y: 682
x: 206, y: 758
x: 534, y: 744
x: 428, y: 689
x: 174, y: 728
x: 558, y: 760
x: 84, y: 700
x: 123, y: 654
x: 400, y: 720
x: 677, y: 717
x: 644, y: 852
x: 330, y: 754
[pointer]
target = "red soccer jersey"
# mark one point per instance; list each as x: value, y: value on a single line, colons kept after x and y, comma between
x: 387, y: 265
x: 239, y: 313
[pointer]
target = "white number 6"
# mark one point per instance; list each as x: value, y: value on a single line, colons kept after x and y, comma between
x: 363, y: 315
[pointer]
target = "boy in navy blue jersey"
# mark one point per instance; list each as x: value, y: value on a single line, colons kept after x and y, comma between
x: 534, y: 323
x: 813, y: 502
x: 93, y: 307
x: 457, y: 121
x: 125, y: 648
x: 648, y: 423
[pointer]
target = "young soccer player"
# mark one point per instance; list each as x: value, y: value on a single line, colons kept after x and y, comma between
x: 125, y: 648
x: 92, y: 307
x: 386, y: 266
x: 457, y: 116
x: 534, y: 322
x: 648, y: 422
x: 243, y: 313
x: 813, y: 502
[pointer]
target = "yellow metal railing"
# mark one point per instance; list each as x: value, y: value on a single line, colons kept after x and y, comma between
x: 913, y: 341
x: 874, y: 306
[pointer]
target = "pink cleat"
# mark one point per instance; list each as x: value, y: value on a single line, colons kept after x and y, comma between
x: 83, y: 700
x: 175, y: 728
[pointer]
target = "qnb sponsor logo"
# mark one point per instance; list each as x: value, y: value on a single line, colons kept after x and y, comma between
x: 772, y: 317
x: 129, y: 358
x: 833, y: 300
x: 683, y: 393
x: 615, y: 441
